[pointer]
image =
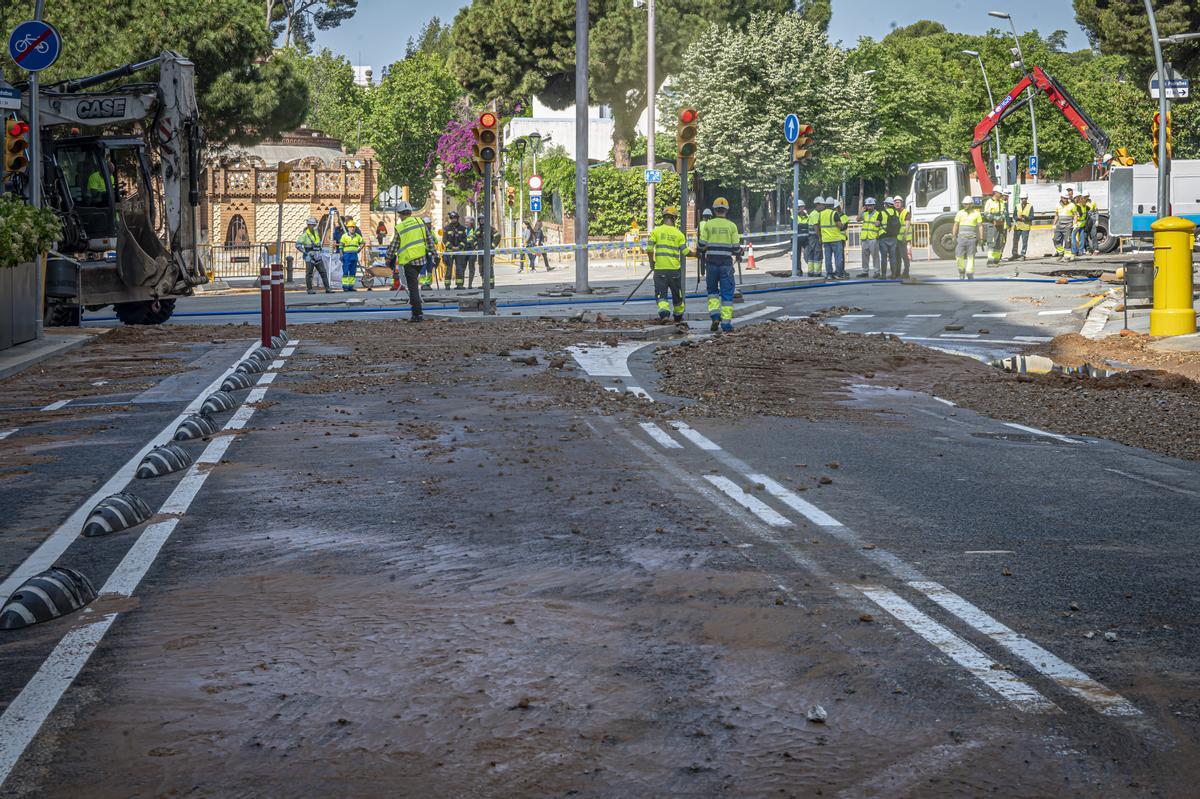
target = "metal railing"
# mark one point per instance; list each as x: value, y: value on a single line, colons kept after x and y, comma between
x: 235, y: 260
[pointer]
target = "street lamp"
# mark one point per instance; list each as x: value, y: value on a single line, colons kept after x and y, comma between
x: 1178, y: 38
x: 987, y: 84
x: 1028, y: 91
x: 650, y: 103
x: 1164, y: 168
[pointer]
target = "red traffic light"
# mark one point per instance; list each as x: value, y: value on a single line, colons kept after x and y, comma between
x: 688, y: 115
x: 487, y: 119
x: 18, y: 128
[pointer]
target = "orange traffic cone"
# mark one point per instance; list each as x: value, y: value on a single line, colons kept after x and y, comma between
x: 750, y: 252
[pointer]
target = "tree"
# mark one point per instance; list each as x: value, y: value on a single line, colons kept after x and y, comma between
x: 246, y: 92
x: 818, y: 12
x: 409, y: 111
x: 301, y: 19
x: 508, y: 49
x: 754, y: 77
x: 434, y: 39
x: 1121, y: 27
x: 336, y: 105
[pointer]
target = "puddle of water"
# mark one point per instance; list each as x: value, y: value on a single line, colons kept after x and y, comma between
x: 1041, y: 365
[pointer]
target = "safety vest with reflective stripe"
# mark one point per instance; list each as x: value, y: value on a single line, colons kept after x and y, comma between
x: 351, y: 242
x: 1079, y: 215
x: 308, y: 238
x: 828, y: 220
x: 1064, y: 215
x: 720, y: 239
x: 410, y: 240
x: 968, y: 222
x: 993, y: 211
x: 905, y: 224
x: 668, y: 244
x: 802, y: 223
x: 1023, y: 219
x: 870, y: 225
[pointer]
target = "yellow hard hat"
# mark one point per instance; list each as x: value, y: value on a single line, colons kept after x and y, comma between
x: 721, y: 202
x: 349, y: 220
x: 671, y: 211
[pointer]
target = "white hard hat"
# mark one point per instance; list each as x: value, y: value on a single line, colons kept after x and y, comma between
x: 311, y: 221
x: 706, y: 212
x: 1007, y: 191
x: 870, y: 201
x: 1064, y: 196
x: 404, y: 205
x: 968, y: 200
x: 799, y: 202
x: 897, y: 199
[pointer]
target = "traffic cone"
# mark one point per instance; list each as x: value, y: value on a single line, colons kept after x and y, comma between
x: 750, y: 249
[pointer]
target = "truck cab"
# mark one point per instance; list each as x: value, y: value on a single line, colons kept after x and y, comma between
x: 935, y: 193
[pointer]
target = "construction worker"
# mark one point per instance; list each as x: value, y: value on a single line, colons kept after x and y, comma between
x: 890, y: 224
x: 812, y: 254
x: 968, y: 230
x: 1064, y: 223
x: 309, y: 245
x: 430, y: 269
x: 1090, y: 223
x: 903, y: 259
x: 833, y: 239
x: 705, y: 217
x: 412, y: 249
x: 1022, y: 224
x: 869, y: 237
x: 666, y: 248
x: 1079, y: 225
x: 995, y: 217
x: 720, y: 242
x: 455, y: 240
x: 350, y: 244
x: 802, y: 229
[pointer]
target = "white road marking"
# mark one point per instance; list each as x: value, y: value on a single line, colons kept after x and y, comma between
x: 276, y: 365
x: 1145, y: 480
x: 1056, y: 312
x: 1106, y: 701
x: 958, y: 335
x: 986, y: 342
x: 660, y: 435
x: 288, y: 350
x: 1037, y: 432
x: 758, y: 313
x: 1008, y: 685
x: 6, y: 433
x: 922, y: 316
x: 45, y: 555
x: 695, y: 436
x: 638, y: 391
x: 54, y: 406
x: 945, y: 401
x: 789, y: 498
x: 24, y: 717
x: 988, y: 552
x: 614, y: 389
x: 902, y: 778
x: 750, y: 503
x: 1093, y: 327
x: 857, y: 316
x: 1035, y: 339
x: 600, y: 360
x: 996, y: 315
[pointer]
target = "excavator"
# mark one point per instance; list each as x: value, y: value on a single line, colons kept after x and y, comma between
x: 127, y: 192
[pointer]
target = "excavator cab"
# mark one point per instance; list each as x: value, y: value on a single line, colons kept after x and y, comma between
x: 99, y: 182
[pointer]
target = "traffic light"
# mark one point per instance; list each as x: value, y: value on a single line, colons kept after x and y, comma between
x: 685, y: 136
x: 1122, y: 157
x: 486, y: 140
x: 511, y: 196
x: 1160, y: 130
x: 16, y: 145
x: 283, y: 181
x: 801, y: 144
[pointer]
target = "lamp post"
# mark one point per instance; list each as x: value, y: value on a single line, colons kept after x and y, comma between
x: 519, y: 146
x: 650, y: 103
x: 987, y: 84
x: 1164, y: 168
x: 581, y: 146
x: 1029, y: 91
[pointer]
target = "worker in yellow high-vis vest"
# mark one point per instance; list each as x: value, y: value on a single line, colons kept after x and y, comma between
x: 968, y: 230
x: 720, y: 242
x: 351, y: 243
x: 812, y: 253
x: 1022, y: 224
x: 412, y: 249
x: 666, y: 249
x: 869, y: 237
x: 833, y: 238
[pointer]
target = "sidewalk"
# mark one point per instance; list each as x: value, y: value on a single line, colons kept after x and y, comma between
x: 22, y: 356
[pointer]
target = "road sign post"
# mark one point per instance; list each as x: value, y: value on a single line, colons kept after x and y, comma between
x: 535, y: 203
x: 1033, y: 166
x: 486, y: 228
x: 791, y: 132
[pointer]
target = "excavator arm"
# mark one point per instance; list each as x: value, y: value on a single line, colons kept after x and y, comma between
x: 1044, y: 83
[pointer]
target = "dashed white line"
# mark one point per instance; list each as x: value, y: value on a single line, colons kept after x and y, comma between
x: 958, y: 335
x: 695, y: 436
x: 750, y: 503
x: 660, y: 435
x: 922, y: 316
x: 1035, y: 339
x: 6, y: 433
x: 638, y: 391
x: 1154, y: 483
x: 789, y: 498
x: 1056, y: 312
x: 54, y: 406
x: 1037, y: 432
x: 857, y: 316
x: 1106, y: 701
x: 758, y: 313
x: 945, y: 401
x: 1022, y: 695
x: 990, y: 315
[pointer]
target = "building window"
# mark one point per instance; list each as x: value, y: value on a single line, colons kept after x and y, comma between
x: 236, y: 235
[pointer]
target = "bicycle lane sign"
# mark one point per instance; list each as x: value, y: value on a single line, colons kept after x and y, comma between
x: 34, y: 45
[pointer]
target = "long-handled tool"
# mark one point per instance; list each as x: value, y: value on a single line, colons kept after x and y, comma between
x: 639, y: 285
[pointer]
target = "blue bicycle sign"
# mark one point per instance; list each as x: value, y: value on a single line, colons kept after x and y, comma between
x: 34, y: 45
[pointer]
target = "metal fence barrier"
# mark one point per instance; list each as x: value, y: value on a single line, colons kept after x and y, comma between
x: 235, y: 260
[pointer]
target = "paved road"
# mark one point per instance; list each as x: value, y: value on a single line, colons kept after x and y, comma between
x: 413, y: 566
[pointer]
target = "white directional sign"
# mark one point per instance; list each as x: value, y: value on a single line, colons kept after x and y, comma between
x: 10, y: 98
x: 791, y: 128
x: 1176, y: 86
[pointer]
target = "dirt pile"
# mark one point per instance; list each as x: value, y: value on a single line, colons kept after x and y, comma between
x: 1073, y: 349
x: 805, y: 369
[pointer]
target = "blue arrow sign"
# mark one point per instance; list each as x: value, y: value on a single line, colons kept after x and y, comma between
x: 1033, y: 165
x: 791, y: 128
x: 34, y: 45
x: 535, y: 203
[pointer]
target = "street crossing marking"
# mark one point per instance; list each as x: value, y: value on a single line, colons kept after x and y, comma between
x: 660, y: 435
x: 54, y: 406
x: 1105, y: 700
x: 1056, y: 312
x: 638, y: 391
x: 601, y: 360
x: 1037, y: 432
x: 695, y: 436
x: 996, y: 315
x: 958, y: 335
x: 923, y: 316
x: 789, y: 498
x: 1008, y: 685
x: 750, y: 503
x: 1035, y: 339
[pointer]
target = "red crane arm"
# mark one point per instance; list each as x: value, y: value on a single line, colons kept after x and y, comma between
x: 1059, y: 97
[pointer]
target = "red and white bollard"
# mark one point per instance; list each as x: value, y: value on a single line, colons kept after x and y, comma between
x: 277, y: 322
x: 268, y: 304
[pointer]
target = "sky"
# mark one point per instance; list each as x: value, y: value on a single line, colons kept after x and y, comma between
x: 378, y: 32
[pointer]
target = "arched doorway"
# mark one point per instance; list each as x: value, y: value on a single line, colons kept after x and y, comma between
x: 236, y: 234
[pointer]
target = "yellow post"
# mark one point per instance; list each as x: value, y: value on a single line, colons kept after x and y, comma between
x: 1173, y: 314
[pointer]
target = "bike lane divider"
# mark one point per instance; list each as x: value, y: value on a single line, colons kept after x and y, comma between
x: 25, y: 715
x: 57, y: 543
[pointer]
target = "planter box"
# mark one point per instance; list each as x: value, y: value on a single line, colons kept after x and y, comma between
x: 18, y: 305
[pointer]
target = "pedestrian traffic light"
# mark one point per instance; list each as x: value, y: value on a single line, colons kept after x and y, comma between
x: 486, y: 140
x: 1122, y: 157
x: 1161, y: 130
x: 802, y: 142
x: 16, y: 145
x: 685, y: 136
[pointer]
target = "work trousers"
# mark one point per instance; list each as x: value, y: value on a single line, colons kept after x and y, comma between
x: 315, y: 261
x: 835, y: 258
x: 887, y: 255
x: 964, y: 255
x: 996, y: 241
x: 1062, y: 240
x: 1079, y: 241
x: 456, y: 267
x: 812, y: 254
x: 1020, y: 243
x: 901, y: 262
x: 349, y: 270
x: 412, y: 282
x: 1091, y: 234
x: 669, y: 281
x: 719, y: 282
x: 871, y: 255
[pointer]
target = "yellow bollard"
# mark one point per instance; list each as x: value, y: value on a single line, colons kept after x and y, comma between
x: 1173, y: 314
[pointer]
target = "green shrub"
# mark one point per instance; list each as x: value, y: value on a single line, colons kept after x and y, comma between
x: 25, y: 231
x: 616, y: 197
